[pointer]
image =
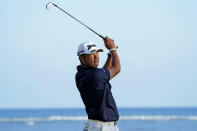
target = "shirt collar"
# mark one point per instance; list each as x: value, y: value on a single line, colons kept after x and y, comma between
x: 81, y: 68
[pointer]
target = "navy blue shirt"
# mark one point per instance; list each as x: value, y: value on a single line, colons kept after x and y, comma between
x: 95, y: 90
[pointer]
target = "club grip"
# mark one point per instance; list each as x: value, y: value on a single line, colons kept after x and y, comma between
x: 102, y: 37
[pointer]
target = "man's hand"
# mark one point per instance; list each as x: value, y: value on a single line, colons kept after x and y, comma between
x: 109, y: 43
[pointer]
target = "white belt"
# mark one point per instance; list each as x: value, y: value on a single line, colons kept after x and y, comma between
x: 104, y: 123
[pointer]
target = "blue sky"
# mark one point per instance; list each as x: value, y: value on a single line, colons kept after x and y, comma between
x: 157, y: 48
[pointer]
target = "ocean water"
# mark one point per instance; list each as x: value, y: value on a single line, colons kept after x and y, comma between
x: 131, y: 119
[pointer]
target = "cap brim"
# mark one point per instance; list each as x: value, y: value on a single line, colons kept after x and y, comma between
x: 89, y: 52
x: 99, y: 50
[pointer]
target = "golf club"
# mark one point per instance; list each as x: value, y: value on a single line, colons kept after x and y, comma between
x: 48, y: 6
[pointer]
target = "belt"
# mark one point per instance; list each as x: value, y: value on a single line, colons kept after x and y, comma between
x: 105, y: 122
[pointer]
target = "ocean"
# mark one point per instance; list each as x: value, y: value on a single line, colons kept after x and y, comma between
x: 131, y: 119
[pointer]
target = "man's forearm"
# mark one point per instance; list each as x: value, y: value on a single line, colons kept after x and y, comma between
x: 108, y: 62
x: 115, y: 61
x: 114, y: 68
x: 115, y: 65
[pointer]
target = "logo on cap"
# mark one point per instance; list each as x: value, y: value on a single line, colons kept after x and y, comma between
x: 90, y: 46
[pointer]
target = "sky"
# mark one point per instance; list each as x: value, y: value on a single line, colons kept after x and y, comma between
x: 157, y: 49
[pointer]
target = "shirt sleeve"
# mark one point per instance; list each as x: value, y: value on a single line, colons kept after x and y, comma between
x: 101, y: 75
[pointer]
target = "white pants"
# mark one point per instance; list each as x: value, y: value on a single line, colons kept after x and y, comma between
x: 94, y: 125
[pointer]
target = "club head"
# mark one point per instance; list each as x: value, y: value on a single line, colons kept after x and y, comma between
x: 48, y: 6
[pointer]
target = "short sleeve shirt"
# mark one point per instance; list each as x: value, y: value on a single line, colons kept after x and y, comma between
x: 95, y: 90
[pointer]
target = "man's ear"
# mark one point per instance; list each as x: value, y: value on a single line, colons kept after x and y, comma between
x: 82, y: 59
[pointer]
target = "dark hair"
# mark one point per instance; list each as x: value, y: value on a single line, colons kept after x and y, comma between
x: 83, y: 55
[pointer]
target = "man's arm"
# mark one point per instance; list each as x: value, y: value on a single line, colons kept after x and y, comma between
x: 115, y: 62
x: 108, y: 62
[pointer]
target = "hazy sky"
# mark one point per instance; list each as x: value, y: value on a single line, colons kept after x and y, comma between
x: 157, y: 42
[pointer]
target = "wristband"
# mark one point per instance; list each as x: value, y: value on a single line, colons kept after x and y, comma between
x: 112, y: 49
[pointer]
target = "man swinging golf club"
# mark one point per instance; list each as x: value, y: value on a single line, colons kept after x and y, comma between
x: 93, y: 83
x: 94, y: 87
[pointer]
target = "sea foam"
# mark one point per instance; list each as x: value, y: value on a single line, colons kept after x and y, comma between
x: 31, y: 120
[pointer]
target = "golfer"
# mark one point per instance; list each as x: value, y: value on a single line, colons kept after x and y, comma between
x: 94, y: 87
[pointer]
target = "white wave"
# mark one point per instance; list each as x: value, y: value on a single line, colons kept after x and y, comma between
x: 32, y: 120
x: 158, y: 117
x: 37, y: 119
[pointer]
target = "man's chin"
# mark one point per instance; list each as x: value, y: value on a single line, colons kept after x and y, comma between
x: 93, y: 66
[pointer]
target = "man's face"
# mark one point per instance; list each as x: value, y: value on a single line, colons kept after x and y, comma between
x: 90, y: 60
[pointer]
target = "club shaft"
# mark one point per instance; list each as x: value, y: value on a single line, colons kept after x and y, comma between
x: 79, y: 21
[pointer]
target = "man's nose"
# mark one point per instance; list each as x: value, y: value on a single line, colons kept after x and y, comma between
x: 96, y: 56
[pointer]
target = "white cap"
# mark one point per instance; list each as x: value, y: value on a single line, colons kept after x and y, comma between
x: 87, y: 47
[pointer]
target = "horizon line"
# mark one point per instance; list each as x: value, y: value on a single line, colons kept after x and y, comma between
x: 40, y: 108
